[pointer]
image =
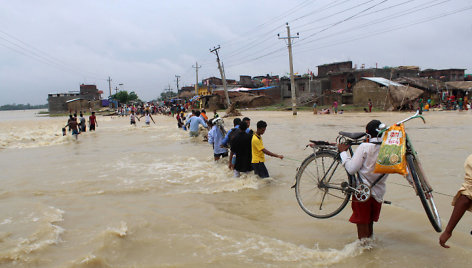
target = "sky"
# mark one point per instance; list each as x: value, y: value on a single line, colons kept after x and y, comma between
x: 53, y: 46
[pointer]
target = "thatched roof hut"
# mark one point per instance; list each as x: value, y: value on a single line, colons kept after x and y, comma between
x: 423, y: 83
x: 383, y: 93
x: 460, y: 85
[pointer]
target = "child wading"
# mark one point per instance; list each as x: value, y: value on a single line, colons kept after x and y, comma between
x: 364, y: 214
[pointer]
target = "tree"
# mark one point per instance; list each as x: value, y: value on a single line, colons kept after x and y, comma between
x: 123, y: 96
x: 132, y: 96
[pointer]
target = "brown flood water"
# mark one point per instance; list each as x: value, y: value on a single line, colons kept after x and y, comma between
x: 153, y: 197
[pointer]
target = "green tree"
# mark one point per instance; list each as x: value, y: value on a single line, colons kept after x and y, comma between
x: 132, y: 96
x: 124, y: 97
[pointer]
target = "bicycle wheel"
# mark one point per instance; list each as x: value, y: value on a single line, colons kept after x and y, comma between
x: 321, y: 185
x: 424, y: 191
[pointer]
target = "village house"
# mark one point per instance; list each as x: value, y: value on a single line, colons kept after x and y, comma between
x: 341, y: 77
x: 445, y: 74
x: 89, y: 97
x: 384, y: 94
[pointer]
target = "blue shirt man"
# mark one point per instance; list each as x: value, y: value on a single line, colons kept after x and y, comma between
x: 215, y: 137
x: 194, y: 122
x: 225, y: 141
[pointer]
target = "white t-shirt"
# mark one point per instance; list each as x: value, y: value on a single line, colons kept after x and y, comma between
x: 363, y: 162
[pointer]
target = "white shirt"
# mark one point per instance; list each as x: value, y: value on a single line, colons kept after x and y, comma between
x: 363, y: 162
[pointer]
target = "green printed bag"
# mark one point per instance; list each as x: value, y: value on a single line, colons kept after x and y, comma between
x: 391, y: 158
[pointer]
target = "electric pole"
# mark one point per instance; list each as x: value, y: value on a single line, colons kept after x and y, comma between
x: 177, y: 77
x: 222, y: 73
x: 292, y: 79
x: 196, y: 72
x: 109, y: 84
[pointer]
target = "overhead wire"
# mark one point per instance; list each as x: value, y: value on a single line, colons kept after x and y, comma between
x: 298, y: 44
x: 252, y: 55
x: 391, y: 29
x: 300, y: 27
x: 344, y: 20
x: 332, y: 25
x: 377, y: 21
x: 259, y: 27
x: 268, y: 34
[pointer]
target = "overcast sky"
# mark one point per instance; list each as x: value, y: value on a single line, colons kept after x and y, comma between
x: 54, y: 46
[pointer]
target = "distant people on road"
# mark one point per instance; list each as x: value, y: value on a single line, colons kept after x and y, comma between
x: 370, y: 105
x: 315, y: 109
x: 335, y: 107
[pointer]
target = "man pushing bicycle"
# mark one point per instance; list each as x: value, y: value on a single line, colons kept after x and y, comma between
x: 363, y: 162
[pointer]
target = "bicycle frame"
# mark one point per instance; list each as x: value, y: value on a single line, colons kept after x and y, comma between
x: 324, y: 181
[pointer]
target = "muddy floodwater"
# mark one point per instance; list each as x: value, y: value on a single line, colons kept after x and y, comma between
x: 127, y: 196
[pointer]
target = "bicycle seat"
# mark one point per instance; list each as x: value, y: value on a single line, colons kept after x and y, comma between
x: 353, y: 135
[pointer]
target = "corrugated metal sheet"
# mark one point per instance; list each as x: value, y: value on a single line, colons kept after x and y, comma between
x: 383, y: 81
x: 74, y: 100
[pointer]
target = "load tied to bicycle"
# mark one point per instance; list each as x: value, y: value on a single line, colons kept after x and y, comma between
x: 334, y: 174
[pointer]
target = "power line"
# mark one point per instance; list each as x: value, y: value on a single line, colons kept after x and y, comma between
x: 377, y: 21
x: 344, y: 20
x: 331, y: 25
x: 392, y: 29
x: 254, y: 41
x: 325, y: 7
x: 261, y: 26
x: 334, y: 14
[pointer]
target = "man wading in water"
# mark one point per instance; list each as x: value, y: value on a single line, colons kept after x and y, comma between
x: 73, y: 126
x: 365, y: 213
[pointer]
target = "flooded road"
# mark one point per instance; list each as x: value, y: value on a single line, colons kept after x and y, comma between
x: 142, y: 196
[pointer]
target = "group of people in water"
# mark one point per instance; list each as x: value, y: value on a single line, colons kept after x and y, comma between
x: 78, y: 125
x: 244, y: 146
x: 246, y: 153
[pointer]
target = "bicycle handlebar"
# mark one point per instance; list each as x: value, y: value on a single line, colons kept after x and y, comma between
x: 383, y: 127
x: 416, y: 115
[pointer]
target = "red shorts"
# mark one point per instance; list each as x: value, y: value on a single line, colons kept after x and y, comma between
x: 365, y: 212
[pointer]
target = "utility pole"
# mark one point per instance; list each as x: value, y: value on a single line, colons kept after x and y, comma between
x: 177, y: 77
x: 109, y: 84
x: 169, y: 94
x: 292, y: 79
x: 196, y: 72
x: 222, y: 73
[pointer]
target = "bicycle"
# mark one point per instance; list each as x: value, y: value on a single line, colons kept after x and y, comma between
x: 323, y: 190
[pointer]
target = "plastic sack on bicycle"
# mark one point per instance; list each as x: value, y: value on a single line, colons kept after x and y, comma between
x: 391, y: 158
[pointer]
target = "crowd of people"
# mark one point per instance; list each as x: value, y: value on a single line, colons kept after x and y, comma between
x: 247, y: 152
x: 244, y: 146
x: 78, y: 125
